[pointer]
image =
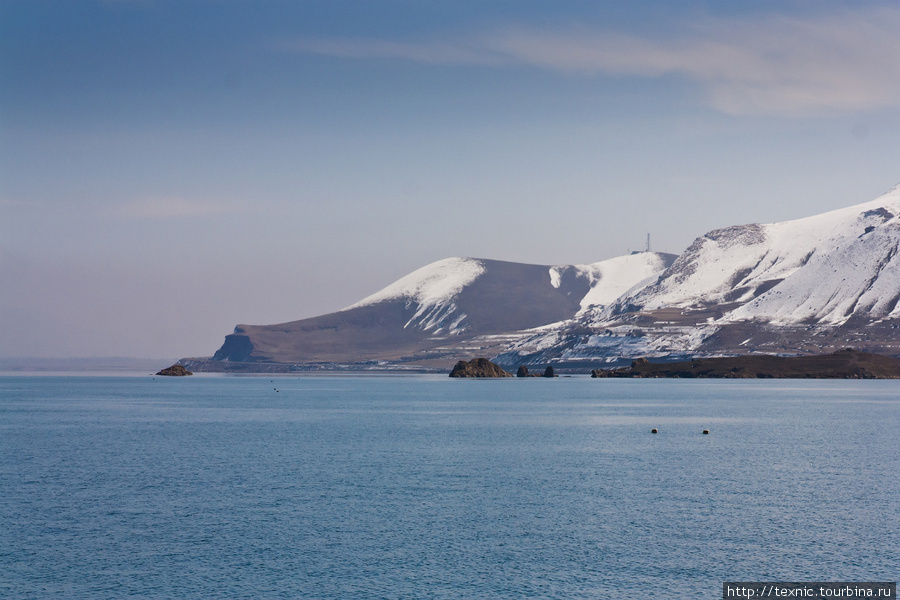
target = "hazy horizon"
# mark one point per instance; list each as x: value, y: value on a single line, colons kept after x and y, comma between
x: 171, y: 169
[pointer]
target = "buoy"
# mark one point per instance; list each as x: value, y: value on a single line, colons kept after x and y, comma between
x: 654, y: 431
x: 706, y: 432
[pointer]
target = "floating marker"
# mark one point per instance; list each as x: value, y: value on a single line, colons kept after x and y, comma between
x: 654, y: 431
x: 706, y: 432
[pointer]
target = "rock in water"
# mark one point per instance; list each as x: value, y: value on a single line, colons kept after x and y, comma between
x: 175, y: 371
x: 522, y: 372
x: 548, y: 372
x: 479, y: 367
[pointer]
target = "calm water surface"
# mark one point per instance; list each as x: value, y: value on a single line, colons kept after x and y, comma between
x: 426, y: 487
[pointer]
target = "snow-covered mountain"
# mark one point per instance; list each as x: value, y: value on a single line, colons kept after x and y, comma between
x: 430, y: 314
x: 824, y: 268
x: 810, y: 285
x: 852, y: 274
x: 805, y: 285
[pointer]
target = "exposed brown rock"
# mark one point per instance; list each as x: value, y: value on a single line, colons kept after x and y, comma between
x: 175, y: 371
x: 479, y: 367
x: 524, y: 372
x: 844, y: 364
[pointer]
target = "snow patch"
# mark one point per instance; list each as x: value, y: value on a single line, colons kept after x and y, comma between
x: 555, y: 277
x: 612, y: 278
x: 432, y: 285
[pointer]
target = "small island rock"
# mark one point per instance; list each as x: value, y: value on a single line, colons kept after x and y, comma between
x: 524, y: 372
x: 175, y: 371
x: 479, y: 367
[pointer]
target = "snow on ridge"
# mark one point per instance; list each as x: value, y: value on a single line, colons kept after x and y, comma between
x: 434, y: 284
x: 610, y: 279
x: 750, y: 256
x: 556, y: 276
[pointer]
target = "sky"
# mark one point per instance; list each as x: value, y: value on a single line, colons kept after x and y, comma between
x: 171, y: 169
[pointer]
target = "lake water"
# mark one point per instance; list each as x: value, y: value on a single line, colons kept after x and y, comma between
x: 427, y: 487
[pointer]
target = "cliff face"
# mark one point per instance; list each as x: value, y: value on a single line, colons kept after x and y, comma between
x: 237, y: 348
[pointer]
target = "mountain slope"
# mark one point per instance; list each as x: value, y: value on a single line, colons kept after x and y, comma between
x: 831, y: 260
x: 430, y: 313
x: 809, y: 285
x: 859, y: 277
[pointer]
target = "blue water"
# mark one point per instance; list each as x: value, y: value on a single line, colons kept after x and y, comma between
x: 426, y: 487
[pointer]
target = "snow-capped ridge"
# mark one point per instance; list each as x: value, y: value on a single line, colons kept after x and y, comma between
x: 434, y: 292
x: 611, y: 278
x: 434, y: 284
x: 431, y: 290
x: 740, y: 263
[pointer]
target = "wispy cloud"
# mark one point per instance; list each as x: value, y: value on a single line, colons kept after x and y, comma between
x: 770, y: 64
x: 165, y: 207
x: 458, y: 51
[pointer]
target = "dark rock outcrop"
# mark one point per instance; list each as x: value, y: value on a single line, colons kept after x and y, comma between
x: 844, y: 364
x: 479, y: 367
x: 524, y: 372
x: 175, y: 371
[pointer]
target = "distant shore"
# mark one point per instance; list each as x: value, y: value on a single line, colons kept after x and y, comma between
x: 83, y: 365
x: 843, y: 364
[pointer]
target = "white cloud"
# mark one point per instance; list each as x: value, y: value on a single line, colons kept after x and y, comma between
x: 764, y: 65
x: 163, y: 207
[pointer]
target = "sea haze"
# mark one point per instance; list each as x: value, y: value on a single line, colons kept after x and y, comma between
x: 426, y: 487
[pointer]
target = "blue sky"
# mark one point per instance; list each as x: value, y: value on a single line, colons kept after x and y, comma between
x: 171, y: 169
